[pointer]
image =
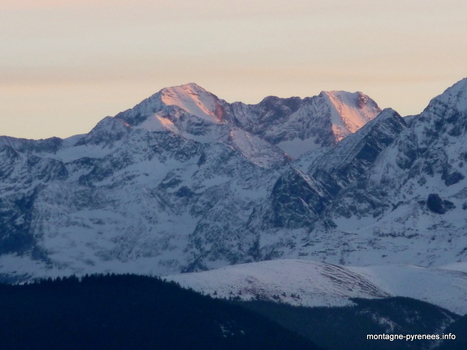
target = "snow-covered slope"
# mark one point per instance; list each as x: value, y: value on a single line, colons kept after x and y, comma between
x: 309, y: 283
x: 296, y: 282
x: 349, y: 112
x: 194, y: 100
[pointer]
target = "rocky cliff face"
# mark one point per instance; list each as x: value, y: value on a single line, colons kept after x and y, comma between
x: 185, y: 181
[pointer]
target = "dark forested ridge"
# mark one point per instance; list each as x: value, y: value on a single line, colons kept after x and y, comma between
x: 130, y: 312
x: 459, y: 328
x: 342, y: 328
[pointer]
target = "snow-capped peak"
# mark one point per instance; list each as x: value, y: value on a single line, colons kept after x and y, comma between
x: 193, y: 99
x: 190, y: 98
x: 349, y: 111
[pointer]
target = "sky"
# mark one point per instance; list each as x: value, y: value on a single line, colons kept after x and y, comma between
x: 66, y: 64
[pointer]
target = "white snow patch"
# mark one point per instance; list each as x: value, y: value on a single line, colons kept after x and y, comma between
x: 158, y: 123
x: 296, y: 147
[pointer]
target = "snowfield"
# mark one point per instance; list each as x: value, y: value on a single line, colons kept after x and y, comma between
x: 310, y: 283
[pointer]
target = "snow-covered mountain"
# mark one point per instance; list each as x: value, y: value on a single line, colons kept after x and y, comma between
x: 185, y: 181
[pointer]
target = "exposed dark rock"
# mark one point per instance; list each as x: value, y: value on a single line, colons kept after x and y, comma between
x: 295, y: 202
x: 453, y: 178
x: 436, y: 204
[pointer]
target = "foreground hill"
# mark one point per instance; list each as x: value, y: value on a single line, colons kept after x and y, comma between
x: 130, y: 312
x: 310, y: 283
x: 139, y: 312
x: 342, y: 328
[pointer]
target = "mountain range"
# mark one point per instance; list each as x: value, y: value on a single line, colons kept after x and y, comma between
x: 185, y: 182
x: 170, y: 185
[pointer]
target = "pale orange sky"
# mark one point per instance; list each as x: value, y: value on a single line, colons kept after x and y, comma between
x: 64, y: 65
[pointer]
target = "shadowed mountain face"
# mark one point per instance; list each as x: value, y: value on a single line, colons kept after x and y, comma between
x: 185, y: 181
